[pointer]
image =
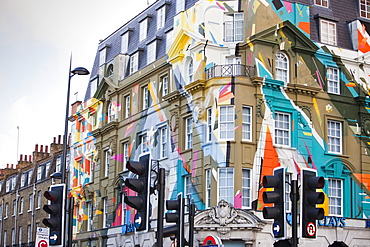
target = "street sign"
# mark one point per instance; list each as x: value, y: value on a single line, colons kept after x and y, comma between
x: 276, y: 228
x: 42, y: 237
x: 311, y: 229
x: 53, y: 237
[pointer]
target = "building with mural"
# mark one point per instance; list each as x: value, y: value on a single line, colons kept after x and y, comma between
x: 21, y: 194
x: 220, y: 93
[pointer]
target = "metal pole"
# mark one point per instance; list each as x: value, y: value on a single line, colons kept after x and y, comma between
x: 191, y: 224
x: 161, y: 188
x: 294, y: 187
x: 64, y: 166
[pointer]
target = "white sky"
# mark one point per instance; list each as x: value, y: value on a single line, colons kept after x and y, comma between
x: 37, y: 38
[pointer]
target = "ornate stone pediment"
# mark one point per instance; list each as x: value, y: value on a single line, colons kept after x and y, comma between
x: 224, y: 219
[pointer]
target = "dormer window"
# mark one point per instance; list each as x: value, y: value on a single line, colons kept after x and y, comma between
x: 190, y: 71
x: 323, y: 3
x: 282, y: 67
x: 143, y: 29
x: 233, y: 27
x: 110, y: 71
x: 328, y: 32
x: 161, y: 17
x: 365, y: 8
x: 134, y: 62
x: 124, y: 43
x: 102, y: 55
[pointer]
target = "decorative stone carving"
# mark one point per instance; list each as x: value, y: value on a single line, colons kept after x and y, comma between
x: 174, y: 121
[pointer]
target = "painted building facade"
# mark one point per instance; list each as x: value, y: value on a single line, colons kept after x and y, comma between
x: 220, y: 93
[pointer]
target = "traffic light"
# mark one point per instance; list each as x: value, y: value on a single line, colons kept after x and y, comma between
x: 277, y: 197
x: 177, y: 217
x: 310, y: 182
x: 55, y: 208
x: 141, y: 184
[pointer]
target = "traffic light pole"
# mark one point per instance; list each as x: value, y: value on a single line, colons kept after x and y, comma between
x: 161, y: 188
x: 294, y: 189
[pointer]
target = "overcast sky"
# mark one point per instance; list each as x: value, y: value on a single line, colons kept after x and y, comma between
x: 37, y: 38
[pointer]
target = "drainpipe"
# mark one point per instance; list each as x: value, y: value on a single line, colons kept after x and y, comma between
x: 33, y: 212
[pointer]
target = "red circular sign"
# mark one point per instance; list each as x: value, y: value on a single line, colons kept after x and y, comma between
x: 311, y: 229
x: 42, y: 243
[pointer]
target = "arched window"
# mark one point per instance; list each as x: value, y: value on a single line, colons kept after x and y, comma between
x: 282, y: 67
x: 190, y: 71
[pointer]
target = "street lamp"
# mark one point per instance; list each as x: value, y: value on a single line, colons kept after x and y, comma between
x: 76, y: 71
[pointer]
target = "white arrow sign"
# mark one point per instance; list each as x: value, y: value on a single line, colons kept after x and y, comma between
x: 54, y: 237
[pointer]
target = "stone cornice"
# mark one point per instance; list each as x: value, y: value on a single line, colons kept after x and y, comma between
x: 195, y: 86
x: 302, y: 89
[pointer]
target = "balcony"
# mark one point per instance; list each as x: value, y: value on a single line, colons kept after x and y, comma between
x: 229, y: 70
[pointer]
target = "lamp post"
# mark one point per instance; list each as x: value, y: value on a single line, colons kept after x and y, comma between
x: 76, y: 71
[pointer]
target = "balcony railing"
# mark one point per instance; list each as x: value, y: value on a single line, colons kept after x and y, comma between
x: 228, y: 70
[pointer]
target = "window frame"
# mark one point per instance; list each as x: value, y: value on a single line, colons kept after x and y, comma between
x: 38, y: 206
x: 127, y: 106
x: 233, y: 27
x: 325, y: 36
x: 125, y: 146
x: 189, y: 132
x: 165, y: 80
x: 333, y: 80
x: 145, y: 97
x: 227, y: 125
x: 143, y: 27
x: 105, y: 212
x: 161, y: 17
x: 163, y: 145
x: 280, y: 139
x: 322, y: 3
x: 330, y: 196
x: 282, y: 67
x: 143, y: 142
x: 363, y: 8
x: 331, y: 137
x: 134, y: 62
x: 248, y: 188
x: 209, y: 125
x: 107, y: 157
x: 124, y: 42
x: 208, y: 188
x: 180, y: 6
x: 247, y: 124
x: 190, y: 70
x: 228, y: 188
x: 151, y: 52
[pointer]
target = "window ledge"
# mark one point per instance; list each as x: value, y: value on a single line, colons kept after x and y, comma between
x: 336, y: 154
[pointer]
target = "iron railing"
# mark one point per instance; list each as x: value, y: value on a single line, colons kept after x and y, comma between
x: 228, y: 70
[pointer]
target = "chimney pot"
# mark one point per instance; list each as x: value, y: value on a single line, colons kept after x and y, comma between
x: 41, y: 148
x: 21, y: 157
x: 30, y: 159
x: 7, y: 165
x: 46, y: 149
x: 59, y: 137
x: 12, y: 166
x: 36, y: 147
x: 54, y: 140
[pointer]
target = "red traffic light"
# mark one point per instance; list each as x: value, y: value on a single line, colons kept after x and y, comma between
x: 52, y: 195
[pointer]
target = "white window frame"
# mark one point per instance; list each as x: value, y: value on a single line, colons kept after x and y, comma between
x: 328, y: 32
x: 163, y: 138
x: 161, y: 17
x: 335, y: 137
x: 13, y: 236
x: 127, y: 106
x: 335, y: 195
x: 30, y: 197
x: 134, y: 62
x: 180, y: 6
x: 247, y: 123
x: 125, y: 154
x: 169, y: 38
x: 29, y: 234
x: 40, y: 169
x: 143, y: 29
x: 124, y: 43
x: 282, y: 129
x: 187, y: 187
x: 209, y: 125
x: 102, y: 56
x: 146, y: 101
x: 107, y: 162
x: 282, y: 67
x: 144, y: 141
x: 105, y: 212
x: 288, y: 201
x: 323, y: 3
x: 38, y: 199
x: 6, y: 210
x: 226, y: 184
x: 21, y: 205
x: 89, y: 215
x: 208, y: 188
x: 23, y: 179
x: 246, y: 188
x: 364, y: 9
x: 190, y: 70
x: 333, y: 76
x: 151, y: 52
x: 233, y: 27
x: 14, y: 208
x: 164, y: 85
x: 5, y: 238
x: 188, y: 132
x: 58, y: 164
x: 227, y: 122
